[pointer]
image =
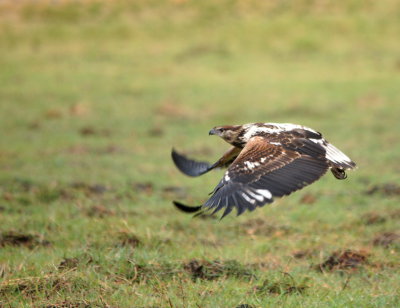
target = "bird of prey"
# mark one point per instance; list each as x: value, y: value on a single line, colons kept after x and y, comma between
x: 266, y: 160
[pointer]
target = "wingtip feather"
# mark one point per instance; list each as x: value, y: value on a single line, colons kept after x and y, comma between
x: 188, y: 166
x: 185, y: 208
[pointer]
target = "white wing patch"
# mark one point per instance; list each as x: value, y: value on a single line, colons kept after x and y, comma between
x: 284, y: 127
x: 258, y: 197
x: 289, y: 126
x: 254, y: 130
x: 227, y: 177
x: 248, y: 199
x: 265, y: 192
x: 261, y: 195
x: 251, y: 165
x: 272, y: 128
x: 332, y: 153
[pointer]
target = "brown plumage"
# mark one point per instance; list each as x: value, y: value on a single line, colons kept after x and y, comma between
x: 267, y: 160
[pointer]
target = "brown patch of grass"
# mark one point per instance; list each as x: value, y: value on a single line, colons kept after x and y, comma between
x: 78, y: 149
x: 91, y: 131
x: 144, y: 271
x: 144, y: 187
x: 87, y: 131
x: 387, y: 189
x: 196, y: 269
x: 79, y: 110
x: 51, y: 284
x: 71, y: 304
x: 34, y: 125
x: 373, y: 218
x: 31, y: 241
x: 8, y: 196
x: 81, y: 149
x: 302, y: 253
x: 344, y: 260
x: 205, y: 270
x: 54, y: 114
x: 68, y: 263
x: 26, y: 192
x: 211, y: 242
x: 109, y: 149
x: 285, y: 286
x: 155, y: 131
x: 308, y: 199
x: 50, y: 194
x: 130, y: 240
x: 89, y: 189
x: 386, y: 239
x: 260, y: 226
x: 99, y: 211
x: 395, y: 214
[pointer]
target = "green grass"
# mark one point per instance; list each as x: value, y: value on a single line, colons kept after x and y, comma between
x: 92, y: 99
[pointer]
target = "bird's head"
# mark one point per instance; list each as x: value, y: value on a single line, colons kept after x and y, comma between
x: 229, y: 133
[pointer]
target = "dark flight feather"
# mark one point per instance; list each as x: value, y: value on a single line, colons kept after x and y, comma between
x: 188, y: 166
x: 185, y: 208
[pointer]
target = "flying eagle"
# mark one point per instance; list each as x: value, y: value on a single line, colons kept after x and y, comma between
x: 266, y: 160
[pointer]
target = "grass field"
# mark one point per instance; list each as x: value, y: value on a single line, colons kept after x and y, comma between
x: 93, y: 97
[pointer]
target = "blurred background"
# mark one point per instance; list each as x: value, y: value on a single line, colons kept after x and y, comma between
x: 77, y: 76
x: 94, y: 94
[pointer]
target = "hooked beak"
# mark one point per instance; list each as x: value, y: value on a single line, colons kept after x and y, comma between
x: 212, y: 132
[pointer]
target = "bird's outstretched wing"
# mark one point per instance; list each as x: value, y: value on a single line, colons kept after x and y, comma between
x: 196, y: 168
x: 261, y: 171
x: 315, y: 145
